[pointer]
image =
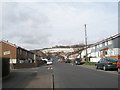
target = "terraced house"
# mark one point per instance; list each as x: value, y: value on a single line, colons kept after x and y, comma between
x: 8, y: 50
x: 109, y: 48
x: 16, y: 54
x: 24, y: 56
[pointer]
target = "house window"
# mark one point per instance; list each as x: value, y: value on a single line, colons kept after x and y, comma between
x: 26, y: 53
x: 20, y: 51
x: 106, y: 43
x: 100, y: 45
x: 97, y: 46
x: 109, y: 42
x: 93, y: 47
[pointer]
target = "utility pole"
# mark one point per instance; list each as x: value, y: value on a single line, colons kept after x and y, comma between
x: 86, y: 43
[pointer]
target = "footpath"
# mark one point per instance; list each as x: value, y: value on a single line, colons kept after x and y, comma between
x: 94, y: 68
x: 41, y: 81
x: 39, y: 77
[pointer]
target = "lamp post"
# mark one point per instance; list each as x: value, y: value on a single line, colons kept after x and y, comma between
x: 86, y: 43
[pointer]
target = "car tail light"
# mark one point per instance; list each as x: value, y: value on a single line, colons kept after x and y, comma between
x: 109, y: 63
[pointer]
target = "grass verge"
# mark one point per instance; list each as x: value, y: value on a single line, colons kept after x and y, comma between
x: 89, y: 63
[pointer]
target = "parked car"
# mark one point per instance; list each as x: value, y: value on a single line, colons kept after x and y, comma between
x: 77, y: 61
x: 62, y: 61
x: 118, y: 66
x: 49, y: 62
x: 67, y: 60
x: 59, y: 60
x: 106, y: 63
x: 44, y: 60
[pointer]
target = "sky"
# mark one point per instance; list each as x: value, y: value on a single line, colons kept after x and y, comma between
x: 37, y: 25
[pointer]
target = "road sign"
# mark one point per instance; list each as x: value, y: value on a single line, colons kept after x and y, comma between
x: 6, y: 52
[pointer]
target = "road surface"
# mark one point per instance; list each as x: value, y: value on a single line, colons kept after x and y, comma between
x: 62, y: 75
x: 73, y: 76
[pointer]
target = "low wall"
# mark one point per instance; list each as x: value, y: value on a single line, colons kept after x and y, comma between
x: 24, y: 65
x: 0, y: 67
x: 94, y: 59
x: 39, y: 63
x: 116, y: 57
x: 5, y: 66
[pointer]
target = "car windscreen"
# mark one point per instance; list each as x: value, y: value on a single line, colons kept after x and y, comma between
x: 49, y: 61
x: 111, y: 60
x: 77, y: 59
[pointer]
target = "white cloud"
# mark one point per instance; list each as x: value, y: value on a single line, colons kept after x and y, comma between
x: 0, y: 21
x: 38, y: 25
x: 59, y: 0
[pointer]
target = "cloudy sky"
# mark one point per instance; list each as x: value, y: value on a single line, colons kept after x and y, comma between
x: 35, y: 25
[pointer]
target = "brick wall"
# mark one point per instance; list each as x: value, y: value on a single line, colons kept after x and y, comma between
x: 24, y: 65
x: 8, y: 47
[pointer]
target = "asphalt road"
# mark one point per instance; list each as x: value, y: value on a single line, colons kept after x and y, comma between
x: 72, y: 76
x: 65, y: 76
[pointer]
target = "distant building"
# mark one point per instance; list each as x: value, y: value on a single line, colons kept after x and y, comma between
x: 54, y: 50
x: 24, y: 56
x: 73, y: 56
x: 39, y: 53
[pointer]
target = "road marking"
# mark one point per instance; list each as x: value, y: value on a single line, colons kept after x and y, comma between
x: 50, y: 68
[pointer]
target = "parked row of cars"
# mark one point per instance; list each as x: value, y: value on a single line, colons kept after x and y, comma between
x: 108, y: 63
x: 77, y: 61
x: 103, y: 63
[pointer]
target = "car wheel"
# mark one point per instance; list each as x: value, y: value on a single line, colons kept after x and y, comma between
x: 96, y: 67
x: 104, y: 68
x: 118, y: 70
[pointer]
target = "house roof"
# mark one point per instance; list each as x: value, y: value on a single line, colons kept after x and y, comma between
x: 3, y: 41
x: 107, y: 39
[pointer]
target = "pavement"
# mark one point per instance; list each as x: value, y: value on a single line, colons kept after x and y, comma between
x: 39, y: 77
x: 99, y: 70
x: 41, y: 81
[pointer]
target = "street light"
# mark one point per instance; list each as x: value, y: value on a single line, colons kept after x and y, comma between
x: 86, y: 43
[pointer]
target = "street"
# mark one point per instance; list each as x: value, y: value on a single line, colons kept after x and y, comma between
x: 72, y: 76
x: 62, y: 75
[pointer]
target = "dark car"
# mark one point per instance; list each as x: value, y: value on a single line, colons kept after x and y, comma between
x: 77, y: 61
x: 62, y: 61
x: 106, y: 63
x: 67, y: 60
